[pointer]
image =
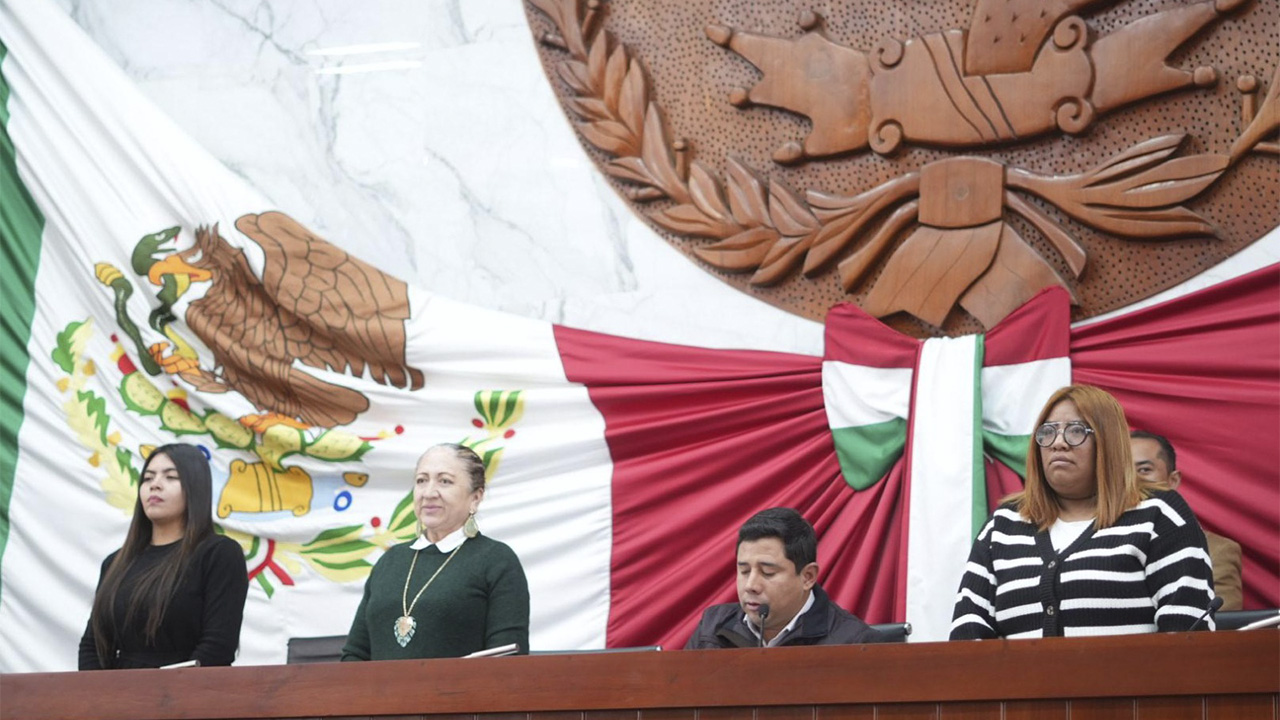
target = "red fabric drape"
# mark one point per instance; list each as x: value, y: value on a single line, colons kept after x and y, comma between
x: 702, y: 439
x: 1204, y: 371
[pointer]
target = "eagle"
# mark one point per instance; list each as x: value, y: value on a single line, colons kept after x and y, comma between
x: 315, y: 306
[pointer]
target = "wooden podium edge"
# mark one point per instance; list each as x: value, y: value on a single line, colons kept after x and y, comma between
x: 1175, y: 664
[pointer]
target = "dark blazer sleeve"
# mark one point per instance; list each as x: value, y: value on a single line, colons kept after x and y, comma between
x: 704, y: 635
x: 226, y: 584
x: 696, y: 640
x: 88, y: 642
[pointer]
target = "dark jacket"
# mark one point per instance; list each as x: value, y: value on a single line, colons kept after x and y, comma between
x: 824, y: 624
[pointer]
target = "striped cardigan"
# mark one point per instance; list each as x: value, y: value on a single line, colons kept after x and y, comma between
x: 1149, y: 572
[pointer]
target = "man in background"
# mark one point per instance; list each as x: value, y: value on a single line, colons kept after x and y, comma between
x: 1155, y: 460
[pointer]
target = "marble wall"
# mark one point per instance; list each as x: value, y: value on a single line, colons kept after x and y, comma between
x: 423, y: 136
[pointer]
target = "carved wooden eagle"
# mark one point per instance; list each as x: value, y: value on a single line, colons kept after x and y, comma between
x: 314, y: 305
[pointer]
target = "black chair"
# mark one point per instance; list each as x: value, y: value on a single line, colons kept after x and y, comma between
x: 1236, y: 619
x: 893, y: 632
x: 306, y: 650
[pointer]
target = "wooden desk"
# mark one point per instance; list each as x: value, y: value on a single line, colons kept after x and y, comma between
x: 1216, y: 675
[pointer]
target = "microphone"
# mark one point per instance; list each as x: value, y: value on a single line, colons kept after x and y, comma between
x: 763, y: 612
x: 1214, y: 605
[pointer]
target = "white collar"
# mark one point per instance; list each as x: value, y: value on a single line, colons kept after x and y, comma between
x: 446, y: 544
x: 782, y: 634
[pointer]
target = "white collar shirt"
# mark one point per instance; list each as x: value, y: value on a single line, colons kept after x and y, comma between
x: 447, y: 544
x: 782, y: 635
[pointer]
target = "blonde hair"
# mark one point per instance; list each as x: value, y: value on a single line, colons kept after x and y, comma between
x: 1116, y: 483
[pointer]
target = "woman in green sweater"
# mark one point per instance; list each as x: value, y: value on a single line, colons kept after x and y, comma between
x: 452, y: 591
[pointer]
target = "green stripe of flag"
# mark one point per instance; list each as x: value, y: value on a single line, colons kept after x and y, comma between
x: 866, y: 452
x: 21, y: 226
x: 979, y: 472
x: 1008, y: 449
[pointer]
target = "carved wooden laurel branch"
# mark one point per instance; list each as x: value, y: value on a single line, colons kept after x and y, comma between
x: 958, y: 248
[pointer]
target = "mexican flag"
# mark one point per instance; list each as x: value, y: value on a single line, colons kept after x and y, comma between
x: 150, y: 296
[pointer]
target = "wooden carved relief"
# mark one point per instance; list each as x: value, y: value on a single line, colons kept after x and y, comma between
x: 948, y: 176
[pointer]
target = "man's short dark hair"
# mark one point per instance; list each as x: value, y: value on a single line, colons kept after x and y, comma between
x: 797, y: 535
x: 1166, y: 447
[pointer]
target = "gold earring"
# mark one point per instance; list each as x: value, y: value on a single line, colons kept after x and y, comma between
x: 470, y: 528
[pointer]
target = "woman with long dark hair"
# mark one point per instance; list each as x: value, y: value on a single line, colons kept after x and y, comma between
x: 175, y: 591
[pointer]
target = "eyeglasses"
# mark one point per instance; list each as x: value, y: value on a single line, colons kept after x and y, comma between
x: 1074, y: 433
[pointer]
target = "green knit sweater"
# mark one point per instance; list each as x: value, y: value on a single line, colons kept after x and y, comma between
x: 480, y: 601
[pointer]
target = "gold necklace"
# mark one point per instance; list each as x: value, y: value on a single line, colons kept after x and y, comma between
x: 406, y: 625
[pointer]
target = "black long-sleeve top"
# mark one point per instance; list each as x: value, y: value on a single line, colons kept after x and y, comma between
x: 203, y: 619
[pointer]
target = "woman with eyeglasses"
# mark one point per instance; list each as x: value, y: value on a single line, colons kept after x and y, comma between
x: 1087, y: 548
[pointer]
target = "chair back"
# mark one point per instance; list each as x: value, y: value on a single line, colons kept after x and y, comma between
x: 305, y: 650
x: 894, y: 632
x: 1236, y: 619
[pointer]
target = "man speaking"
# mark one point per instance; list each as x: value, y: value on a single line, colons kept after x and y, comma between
x: 779, y: 600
